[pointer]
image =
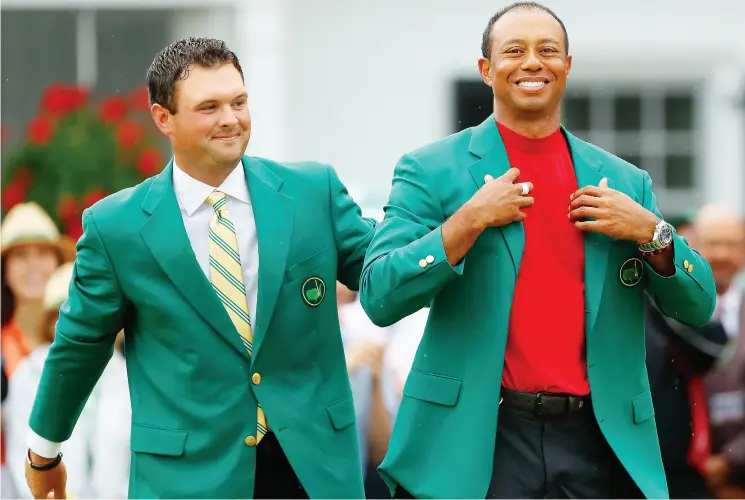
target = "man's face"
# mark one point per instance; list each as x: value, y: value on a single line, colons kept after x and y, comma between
x: 212, y: 123
x: 722, y: 243
x: 529, y: 65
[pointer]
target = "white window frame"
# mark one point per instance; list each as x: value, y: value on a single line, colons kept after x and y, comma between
x: 653, y: 142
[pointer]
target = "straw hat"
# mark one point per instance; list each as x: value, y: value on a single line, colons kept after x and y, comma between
x: 58, y: 286
x: 28, y: 223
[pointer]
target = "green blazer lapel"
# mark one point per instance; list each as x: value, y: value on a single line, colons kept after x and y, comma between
x: 487, y: 145
x: 165, y: 236
x: 587, y: 168
x: 274, y: 213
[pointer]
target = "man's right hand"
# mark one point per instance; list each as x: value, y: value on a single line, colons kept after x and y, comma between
x: 497, y: 203
x: 500, y: 201
x: 43, y: 482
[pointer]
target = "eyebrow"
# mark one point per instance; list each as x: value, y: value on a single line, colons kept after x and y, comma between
x: 243, y: 94
x: 521, y: 40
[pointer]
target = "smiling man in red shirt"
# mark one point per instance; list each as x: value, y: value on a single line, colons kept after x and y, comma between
x: 534, y: 251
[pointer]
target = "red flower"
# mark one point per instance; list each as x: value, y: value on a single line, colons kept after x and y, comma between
x: 129, y: 134
x: 40, y: 130
x: 24, y: 177
x: 61, y: 99
x: 93, y: 197
x: 149, y: 163
x: 74, y: 228
x: 13, y: 194
x: 139, y: 99
x: 67, y: 208
x: 112, y: 110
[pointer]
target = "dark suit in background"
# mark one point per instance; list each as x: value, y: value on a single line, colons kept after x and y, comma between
x: 677, y: 357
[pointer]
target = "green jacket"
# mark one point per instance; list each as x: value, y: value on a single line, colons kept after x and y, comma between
x: 193, y: 402
x: 442, y: 445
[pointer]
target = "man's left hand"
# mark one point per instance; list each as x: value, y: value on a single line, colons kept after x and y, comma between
x: 616, y: 215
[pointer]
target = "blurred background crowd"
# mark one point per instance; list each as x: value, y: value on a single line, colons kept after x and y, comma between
x: 661, y: 84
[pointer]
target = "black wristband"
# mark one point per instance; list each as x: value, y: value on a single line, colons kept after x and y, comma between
x: 51, y: 465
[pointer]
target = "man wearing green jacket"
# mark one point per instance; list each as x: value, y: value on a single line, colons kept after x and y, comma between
x: 530, y: 380
x: 221, y: 270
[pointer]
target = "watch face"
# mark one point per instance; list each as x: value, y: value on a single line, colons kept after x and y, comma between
x: 666, y: 234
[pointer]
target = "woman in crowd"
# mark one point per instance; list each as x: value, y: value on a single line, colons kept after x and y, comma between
x: 97, y: 454
x: 32, y: 249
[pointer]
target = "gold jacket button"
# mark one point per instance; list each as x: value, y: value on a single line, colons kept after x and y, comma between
x: 422, y: 263
x: 430, y: 259
x: 250, y: 441
x: 256, y: 379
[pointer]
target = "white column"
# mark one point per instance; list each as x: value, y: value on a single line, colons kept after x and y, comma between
x: 215, y: 22
x: 86, y: 45
x: 260, y: 42
x: 254, y: 30
x: 722, y: 109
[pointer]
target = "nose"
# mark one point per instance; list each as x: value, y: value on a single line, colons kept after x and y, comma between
x: 531, y: 62
x: 228, y: 117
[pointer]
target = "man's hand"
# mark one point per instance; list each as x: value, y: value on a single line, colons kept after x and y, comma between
x: 499, y: 201
x: 364, y: 354
x: 616, y: 215
x: 46, y: 483
x: 717, y: 470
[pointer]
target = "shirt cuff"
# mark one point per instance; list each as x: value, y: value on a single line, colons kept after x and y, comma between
x: 42, y: 447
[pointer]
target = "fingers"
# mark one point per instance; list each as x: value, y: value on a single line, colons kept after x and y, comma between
x: 585, y: 200
x: 519, y: 188
x: 603, y: 183
x: 587, y: 190
x: 488, y: 178
x: 525, y: 201
x: 589, y: 225
x: 511, y: 175
x: 586, y: 213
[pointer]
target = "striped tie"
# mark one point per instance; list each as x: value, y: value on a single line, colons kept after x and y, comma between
x: 227, y: 280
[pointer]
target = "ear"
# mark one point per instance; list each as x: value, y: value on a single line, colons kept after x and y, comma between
x: 484, y: 69
x: 162, y: 118
x: 569, y: 65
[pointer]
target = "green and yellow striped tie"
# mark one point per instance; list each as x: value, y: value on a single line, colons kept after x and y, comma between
x: 227, y: 280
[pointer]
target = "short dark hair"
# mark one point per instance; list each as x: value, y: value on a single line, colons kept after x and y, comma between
x: 173, y: 62
x: 486, y: 38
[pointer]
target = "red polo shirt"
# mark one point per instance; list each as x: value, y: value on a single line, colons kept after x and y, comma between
x: 546, y: 339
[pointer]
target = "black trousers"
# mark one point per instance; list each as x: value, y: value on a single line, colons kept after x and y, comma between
x: 553, y: 457
x: 275, y: 477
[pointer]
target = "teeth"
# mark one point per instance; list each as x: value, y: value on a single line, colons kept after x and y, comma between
x: 531, y: 84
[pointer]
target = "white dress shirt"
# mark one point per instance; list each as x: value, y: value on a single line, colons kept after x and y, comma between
x: 196, y: 214
x: 728, y: 310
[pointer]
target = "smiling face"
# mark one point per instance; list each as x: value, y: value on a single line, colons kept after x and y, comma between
x: 211, y: 125
x: 528, y: 65
x: 27, y: 270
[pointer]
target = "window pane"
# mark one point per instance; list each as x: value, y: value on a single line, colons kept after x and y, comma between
x: 679, y: 172
x: 576, y: 111
x: 679, y: 112
x: 474, y: 102
x: 628, y: 113
x: 123, y: 59
x: 38, y: 50
x: 635, y: 160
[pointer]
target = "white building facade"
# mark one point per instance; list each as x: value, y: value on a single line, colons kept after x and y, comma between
x: 359, y: 83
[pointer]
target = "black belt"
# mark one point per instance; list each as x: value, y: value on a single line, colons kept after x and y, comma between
x: 545, y: 404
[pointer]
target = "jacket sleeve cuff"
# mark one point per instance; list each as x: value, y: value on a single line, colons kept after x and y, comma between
x: 434, y: 248
x: 41, y: 446
x: 686, y: 295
